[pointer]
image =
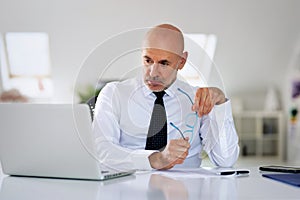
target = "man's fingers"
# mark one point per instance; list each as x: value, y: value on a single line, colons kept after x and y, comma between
x: 179, y: 159
x: 179, y: 144
x: 181, y: 149
x: 205, y: 100
x: 202, y: 100
x: 208, y: 105
x: 176, y: 152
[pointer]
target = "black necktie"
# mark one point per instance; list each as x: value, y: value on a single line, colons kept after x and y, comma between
x: 157, y: 133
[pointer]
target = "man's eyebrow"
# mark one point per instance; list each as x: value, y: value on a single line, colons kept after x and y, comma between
x: 160, y: 61
x: 147, y: 57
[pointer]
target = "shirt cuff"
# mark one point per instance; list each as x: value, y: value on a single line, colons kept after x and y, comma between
x: 141, y: 160
x: 223, y: 110
x: 218, y: 117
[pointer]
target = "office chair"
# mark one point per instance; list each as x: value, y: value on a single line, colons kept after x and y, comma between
x: 91, y: 103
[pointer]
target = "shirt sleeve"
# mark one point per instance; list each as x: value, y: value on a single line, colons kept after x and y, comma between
x: 219, y: 137
x: 106, y: 130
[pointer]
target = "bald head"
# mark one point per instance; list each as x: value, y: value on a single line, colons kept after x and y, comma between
x: 165, y: 37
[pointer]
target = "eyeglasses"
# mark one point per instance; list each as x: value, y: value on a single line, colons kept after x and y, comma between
x: 190, y: 120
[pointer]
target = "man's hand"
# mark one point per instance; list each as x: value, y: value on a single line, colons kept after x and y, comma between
x: 206, y: 98
x: 174, y: 153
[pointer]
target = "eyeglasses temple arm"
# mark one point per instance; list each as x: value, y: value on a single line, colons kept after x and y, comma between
x: 177, y: 130
x: 186, y: 94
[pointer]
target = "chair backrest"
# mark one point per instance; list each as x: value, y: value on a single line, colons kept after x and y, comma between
x: 91, y: 103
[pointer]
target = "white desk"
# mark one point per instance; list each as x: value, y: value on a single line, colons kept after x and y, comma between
x: 148, y: 186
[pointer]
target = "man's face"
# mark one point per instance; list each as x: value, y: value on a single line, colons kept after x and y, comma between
x: 160, y: 68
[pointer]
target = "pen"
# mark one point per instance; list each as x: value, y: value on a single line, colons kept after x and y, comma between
x: 224, y: 173
x: 242, y: 172
x: 178, y: 130
x: 236, y: 172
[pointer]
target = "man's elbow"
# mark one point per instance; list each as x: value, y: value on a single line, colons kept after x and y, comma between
x: 226, y: 161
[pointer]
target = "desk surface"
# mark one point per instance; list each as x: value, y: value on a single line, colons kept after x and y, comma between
x: 148, y: 186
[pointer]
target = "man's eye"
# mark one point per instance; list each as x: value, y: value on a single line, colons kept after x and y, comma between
x: 147, y: 61
x: 165, y: 64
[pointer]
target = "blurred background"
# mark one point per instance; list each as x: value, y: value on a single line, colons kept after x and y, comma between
x: 255, y: 46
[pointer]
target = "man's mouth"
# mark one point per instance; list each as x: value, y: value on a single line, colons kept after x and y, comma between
x: 154, y: 83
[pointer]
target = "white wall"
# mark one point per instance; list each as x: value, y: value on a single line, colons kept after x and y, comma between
x: 256, y: 38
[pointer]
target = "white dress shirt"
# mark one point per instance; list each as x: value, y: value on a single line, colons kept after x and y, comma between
x: 122, y: 117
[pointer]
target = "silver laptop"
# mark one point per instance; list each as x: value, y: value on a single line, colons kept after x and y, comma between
x: 50, y: 140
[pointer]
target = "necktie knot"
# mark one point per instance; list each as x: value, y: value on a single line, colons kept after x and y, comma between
x: 160, y: 94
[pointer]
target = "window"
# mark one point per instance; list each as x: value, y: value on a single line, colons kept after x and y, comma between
x: 25, y: 64
x: 201, y: 48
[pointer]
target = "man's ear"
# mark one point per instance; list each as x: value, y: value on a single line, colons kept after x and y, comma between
x: 183, y: 60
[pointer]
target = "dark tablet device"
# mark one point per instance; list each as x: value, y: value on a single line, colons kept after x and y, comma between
x: 277, y: 168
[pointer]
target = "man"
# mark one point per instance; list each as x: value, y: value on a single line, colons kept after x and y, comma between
x: 192, y: 115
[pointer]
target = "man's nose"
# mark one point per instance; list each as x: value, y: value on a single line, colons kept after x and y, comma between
x: 154, y: 69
